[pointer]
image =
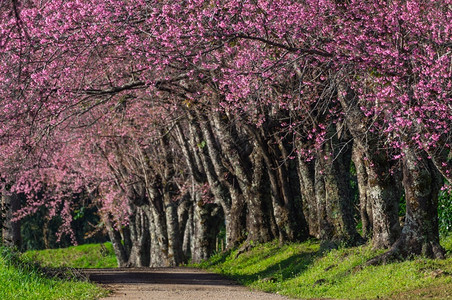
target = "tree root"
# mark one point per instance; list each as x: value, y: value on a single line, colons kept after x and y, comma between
x: 405, y: 248
x: 246, y: 246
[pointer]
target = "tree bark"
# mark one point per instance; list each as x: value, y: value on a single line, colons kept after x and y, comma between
x: 140, y: 239
x: 223, y: 185
x: 306, y: 174
x: 175, y: 254
x: 289, y: 228
x: 247, y: 167
x: 10, y: 204
x: 158, y: 257
x: 115, y: 238
x: 185, y: 215
x: 422, y: 182
x: 206, y: 222
x: 290, y: 180
x: 259, y: 208
x: 420, y: 235
x: 384, y: 196
x: 383, y: 191
x: 335, y: 200
x: 365, y: 206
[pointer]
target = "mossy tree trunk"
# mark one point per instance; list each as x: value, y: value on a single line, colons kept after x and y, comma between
x: 382, y: 189
x: 420, y: 236
x: 334, y: 197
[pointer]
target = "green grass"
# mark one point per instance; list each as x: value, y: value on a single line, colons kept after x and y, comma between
x: 83, y: 256
x: 303, y: 271
x: 20, y: 279
x: 446, y: 242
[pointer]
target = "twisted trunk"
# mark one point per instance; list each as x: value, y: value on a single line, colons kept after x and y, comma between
x: 383, y: 192
x: 248, y: 169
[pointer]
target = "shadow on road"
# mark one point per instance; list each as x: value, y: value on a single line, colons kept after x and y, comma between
x: 173, y: 276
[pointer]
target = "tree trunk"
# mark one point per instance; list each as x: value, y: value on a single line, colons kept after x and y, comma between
x: 259, y: 212
x: 420, y: 236
x: 365, y: 206
x: 10, y: 204
x: 235, y: 221
x: 422, y: 183
x: 326, y: 230
x: 248, y: 170
x: 222, y: 184
x: 206, y: 221
x: 45, y: 233
x: 185, y: 215
x: 383, y: 192
x: 306, y: 174
x: 384, y: 196
x: 126, y: 237
x: 115, y: 239
x: 175, y: 254
x: 291, y: 184
x: 140, y: 239
x: 336, y: 210
x: 281, y: 211
x: 189, y: 234
x: 158, y: 257
x: 289, y: 228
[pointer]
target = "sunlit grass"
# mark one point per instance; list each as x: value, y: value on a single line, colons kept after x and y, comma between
x: 25, y: 281
x: 83, y: 256
x: 304, y: 271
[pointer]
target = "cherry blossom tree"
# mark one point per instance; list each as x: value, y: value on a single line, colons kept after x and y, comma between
x: 252, y: 110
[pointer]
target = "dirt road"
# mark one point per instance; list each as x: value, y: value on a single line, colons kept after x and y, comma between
x: 172, y: 283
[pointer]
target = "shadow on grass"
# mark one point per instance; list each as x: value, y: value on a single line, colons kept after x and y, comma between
x: 11, y: 257
x: 216, y: 259
x: 280, y: 271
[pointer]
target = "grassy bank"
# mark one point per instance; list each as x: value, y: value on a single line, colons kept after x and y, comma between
x: 304, y: 271
x: 83, y: 256
x: 21, y: 279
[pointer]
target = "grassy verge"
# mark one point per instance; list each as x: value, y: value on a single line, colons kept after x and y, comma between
x: 21, y: 279
x: 303, y: 271
x: 83, y: 256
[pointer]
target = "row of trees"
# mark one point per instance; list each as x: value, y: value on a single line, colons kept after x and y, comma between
x: 180, y: 117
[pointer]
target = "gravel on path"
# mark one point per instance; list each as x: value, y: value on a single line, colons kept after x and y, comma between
x: 172, y: 283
